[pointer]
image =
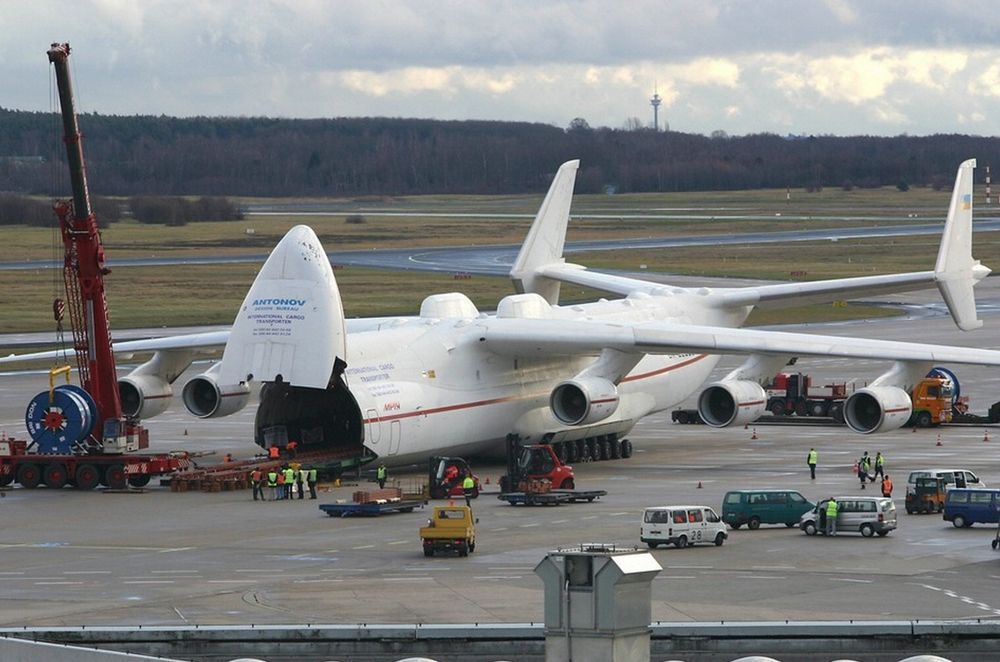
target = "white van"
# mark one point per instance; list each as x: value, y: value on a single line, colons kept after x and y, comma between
x: 950, y: 478
x: 681, y: 526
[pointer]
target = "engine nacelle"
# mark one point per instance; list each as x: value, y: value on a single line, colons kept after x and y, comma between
x: 144, y: 396
x: 732, y: 402
x: 877, y: 409
x: 204, y: 397
x: 584, y: 400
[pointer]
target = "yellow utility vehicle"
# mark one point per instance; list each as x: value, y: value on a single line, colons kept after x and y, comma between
x: 450, y: 528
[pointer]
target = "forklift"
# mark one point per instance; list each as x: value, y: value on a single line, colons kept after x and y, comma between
x: 445, y: 476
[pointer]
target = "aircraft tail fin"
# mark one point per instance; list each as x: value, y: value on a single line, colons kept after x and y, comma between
x: 547, y: 236
x: 956, y: 272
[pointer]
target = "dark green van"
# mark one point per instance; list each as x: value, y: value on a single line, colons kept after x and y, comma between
x: 756, y: 507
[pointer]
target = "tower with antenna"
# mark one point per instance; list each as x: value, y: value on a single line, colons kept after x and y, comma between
x: 655, y: 103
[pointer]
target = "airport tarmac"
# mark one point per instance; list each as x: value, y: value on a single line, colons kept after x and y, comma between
x: 163, y: 558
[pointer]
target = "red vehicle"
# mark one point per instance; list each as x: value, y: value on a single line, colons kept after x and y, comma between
x: 445, y: 476
x: 529, y: 466
x: 79, y: 434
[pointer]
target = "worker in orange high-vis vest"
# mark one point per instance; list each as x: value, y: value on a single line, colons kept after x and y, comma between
x: 273, y: 452
x: 886, y: 486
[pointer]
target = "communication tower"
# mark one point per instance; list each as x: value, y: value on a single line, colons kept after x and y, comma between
x: 655, y: 103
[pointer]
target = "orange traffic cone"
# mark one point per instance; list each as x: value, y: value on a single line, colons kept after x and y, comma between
x: 754, y: 435
x: 939, y: 440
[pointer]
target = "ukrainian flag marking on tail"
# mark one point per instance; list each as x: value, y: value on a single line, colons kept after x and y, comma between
x: 967, y: 201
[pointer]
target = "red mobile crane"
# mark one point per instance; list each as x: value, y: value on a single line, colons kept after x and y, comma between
x: 79, y: 434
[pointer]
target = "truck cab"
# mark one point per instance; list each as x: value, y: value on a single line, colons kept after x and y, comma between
x: 449, y: 529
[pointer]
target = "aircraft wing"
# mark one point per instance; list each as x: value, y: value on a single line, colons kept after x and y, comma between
x: 569, y: 337
x: 206, y: 342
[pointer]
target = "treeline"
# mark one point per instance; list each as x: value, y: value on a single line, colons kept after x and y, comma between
x: 222, y: 156
x: 18, y: 209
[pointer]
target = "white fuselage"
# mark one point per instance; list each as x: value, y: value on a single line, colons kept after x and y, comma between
x: 428, y: 385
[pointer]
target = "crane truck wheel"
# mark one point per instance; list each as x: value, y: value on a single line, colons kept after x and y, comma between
x: 87, y: 477
x: 923, y: 420
x: 55, y: 475
x: 29, y: 476
x: 141, y: 480
x: 114, y: 477
x: 6, y: 478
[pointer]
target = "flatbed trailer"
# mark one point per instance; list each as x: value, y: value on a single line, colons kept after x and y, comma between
x: 550, y: 498
x: 373, y: 509
x: 84, y: 472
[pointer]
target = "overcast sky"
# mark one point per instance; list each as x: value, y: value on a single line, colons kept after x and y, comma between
x: 841, y: 67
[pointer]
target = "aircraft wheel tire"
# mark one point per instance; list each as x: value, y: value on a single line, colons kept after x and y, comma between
x: 616, y: 449
x: 626, y: 451
x: 604, y: 450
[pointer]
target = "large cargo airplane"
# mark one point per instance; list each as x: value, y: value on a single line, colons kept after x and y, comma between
x: 458, y: 381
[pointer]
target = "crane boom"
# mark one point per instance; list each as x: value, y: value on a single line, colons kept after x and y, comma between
x: 84, y: 269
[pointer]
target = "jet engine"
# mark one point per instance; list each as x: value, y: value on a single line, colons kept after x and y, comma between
x: 144, y: 396
x: 205, y: 397
x: 584, y: 400
x: 732, y: 402
x: 877, y: 409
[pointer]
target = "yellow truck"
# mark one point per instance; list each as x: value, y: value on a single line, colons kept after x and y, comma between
x: 450, y: 528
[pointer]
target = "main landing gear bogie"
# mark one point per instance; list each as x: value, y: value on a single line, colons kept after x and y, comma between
x: 593, y: 449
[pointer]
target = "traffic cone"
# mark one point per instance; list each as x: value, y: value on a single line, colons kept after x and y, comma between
x: 699, y: 484
x: 185, y: 432
x: 939, y: 440
x: 986, y: 435
x: 487, y: 480
x: 914, y: 428
x: 754, y: 435
x: 746, y: 426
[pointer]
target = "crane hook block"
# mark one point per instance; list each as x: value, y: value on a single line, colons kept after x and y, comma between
x: 59, y: 423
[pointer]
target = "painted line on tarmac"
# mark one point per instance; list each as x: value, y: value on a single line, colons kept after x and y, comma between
x: 525, y: 526
x: 407, y: 579
x: 498, y: 577
x: 619, y: 514
x: 773, y: 567
x: 316, y: 581
x: 149, y: 581
x: 255, y: 570
x: 559, y: 521
x: 666, y: 577
x: 363, y: 547
x: 57, y: 583
x: 227, y: 581
x: 90, y: 572
x: 398, y: 542
x: 965, y: 599
x: 690, y: 567
x: 848, y: 579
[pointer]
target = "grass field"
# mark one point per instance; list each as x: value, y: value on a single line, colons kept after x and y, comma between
x: 211, y: 294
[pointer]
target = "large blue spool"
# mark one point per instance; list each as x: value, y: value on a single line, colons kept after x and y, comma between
x: 77, y: 413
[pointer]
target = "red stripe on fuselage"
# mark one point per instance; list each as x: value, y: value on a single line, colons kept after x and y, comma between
x: 513, y: 398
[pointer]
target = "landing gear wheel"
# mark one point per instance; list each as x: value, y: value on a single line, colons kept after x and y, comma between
x: 603, y: 450
x: 115, y: 477
x: 55, y: 476
x: 87, y: 477
x: 570, y: 452
x: 616, y: 449
x: 29, y: 476
x: 682, y: 542
x: 626, y: 449
x: 754, y: 523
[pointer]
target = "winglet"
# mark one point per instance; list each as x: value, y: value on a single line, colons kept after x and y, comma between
x: 547, y: 236
x: 956, y: 272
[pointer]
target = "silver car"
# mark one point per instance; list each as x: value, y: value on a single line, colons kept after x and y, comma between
x: 862, y: 514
